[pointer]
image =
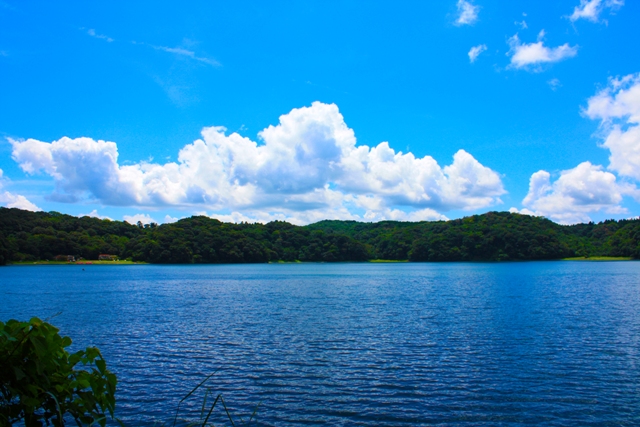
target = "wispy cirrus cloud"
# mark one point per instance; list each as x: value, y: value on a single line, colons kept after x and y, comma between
x: 179, y: 51
x: 533, y: 56
x: 178, y: 84
x: 554, y: 84
x: 91, y: 32
x: 186, y: 53
x: 467, y: 13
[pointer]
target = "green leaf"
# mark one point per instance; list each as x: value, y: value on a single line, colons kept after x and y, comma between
x: 19, y: 373
x: 45, y: 387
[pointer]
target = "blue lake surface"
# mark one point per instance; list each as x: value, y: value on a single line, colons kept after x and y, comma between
x: 548, y: 343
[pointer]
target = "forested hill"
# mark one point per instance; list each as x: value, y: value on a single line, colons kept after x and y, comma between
x: 494, y: 236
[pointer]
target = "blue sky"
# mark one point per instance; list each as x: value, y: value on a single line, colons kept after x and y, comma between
x: 316, y: 109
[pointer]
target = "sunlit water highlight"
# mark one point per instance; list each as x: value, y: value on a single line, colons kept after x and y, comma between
x: 549, y: 343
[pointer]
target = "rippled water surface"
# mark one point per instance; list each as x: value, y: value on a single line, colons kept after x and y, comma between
x: 549, y: 343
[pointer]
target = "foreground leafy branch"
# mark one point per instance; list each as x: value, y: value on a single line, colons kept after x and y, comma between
x: 42, y: 384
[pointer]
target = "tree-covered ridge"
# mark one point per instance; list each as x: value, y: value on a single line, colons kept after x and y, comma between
x: 204, y: 240
x: 31, y: 236
x: 494, y: 236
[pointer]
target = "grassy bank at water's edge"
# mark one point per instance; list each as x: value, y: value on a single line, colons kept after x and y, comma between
x: 87, y: 262
x: 599, y: 258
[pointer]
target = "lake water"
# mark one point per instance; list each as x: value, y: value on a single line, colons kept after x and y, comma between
x: 549, y: 343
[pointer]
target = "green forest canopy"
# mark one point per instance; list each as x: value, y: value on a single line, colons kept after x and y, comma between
x: 494, y: 236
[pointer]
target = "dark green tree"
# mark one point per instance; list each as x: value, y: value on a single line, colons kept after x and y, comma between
x: 42, y: 384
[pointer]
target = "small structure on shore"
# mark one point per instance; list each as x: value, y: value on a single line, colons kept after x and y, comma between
x: 67, y: 258
x: 107, y: 257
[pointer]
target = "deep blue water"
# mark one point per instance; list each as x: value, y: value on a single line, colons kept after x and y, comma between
x: 548, y: 343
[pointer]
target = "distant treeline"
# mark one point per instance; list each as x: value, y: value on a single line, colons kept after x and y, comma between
x: 494, y: 236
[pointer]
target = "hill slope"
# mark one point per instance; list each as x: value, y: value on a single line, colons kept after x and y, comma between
x: 494, y: 236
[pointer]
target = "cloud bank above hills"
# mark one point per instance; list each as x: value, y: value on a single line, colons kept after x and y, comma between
x: 309, y: 167
x: 306, y: 168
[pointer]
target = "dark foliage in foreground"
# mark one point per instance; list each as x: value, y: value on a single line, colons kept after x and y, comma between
x: 41, y: 383
x: 494, y: 236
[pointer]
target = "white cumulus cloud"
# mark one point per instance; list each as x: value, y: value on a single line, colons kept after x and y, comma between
x: 576, y: 193
x: 11, y: 200
x: 94, y: 214
x: 591, y: 9
x: 475, y: 51
x: 168, y: 219
x: 308, y: 163
x: 307, y: 217
x: 467, y: 13
x: 618, y: 108
x: 534, y: 55
x: 523, y: 211
x: 143, y: 218
x: 588, y: 188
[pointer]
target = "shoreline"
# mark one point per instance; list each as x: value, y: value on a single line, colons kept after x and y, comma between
x: 80, y: 263
x: 372, y: 261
